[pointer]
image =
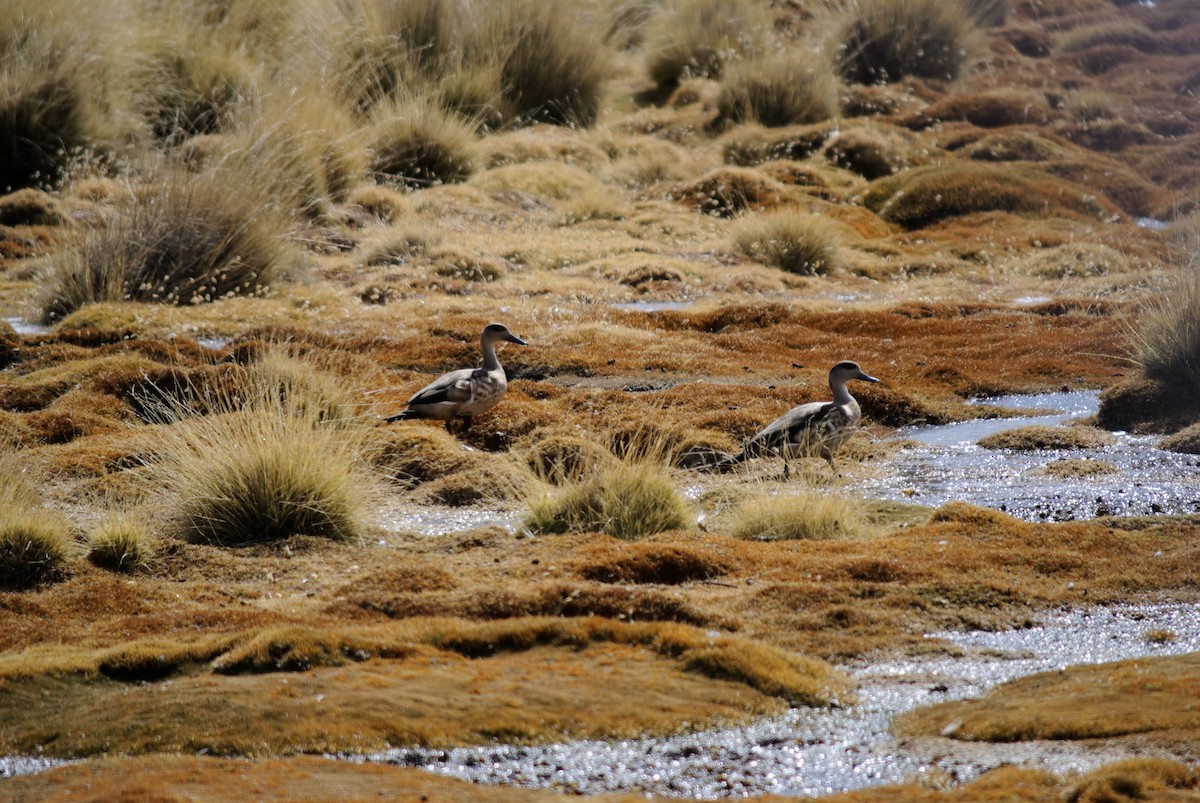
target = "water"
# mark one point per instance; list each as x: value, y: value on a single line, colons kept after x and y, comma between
x: 438, y: 520
x: 24, y: 327
x: 11, y: 766
x: 654, y: 306
x: 948, y: 466
x: 816, y: 751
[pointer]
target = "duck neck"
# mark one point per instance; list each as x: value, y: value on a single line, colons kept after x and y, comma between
x: 490, y: 362
x: 841, y: 396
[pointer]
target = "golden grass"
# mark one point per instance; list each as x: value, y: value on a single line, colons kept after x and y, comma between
x: 697, y: 38
x: 361, y: 667
x: 784, y: 88
x: 1084, y: 702
x: 55, y: 89
x: 550, y: 68
x: 629, y: 500
x: 802, y: 516
x: 1074, y: 467
x: 882, y: 41
x: 280, y: 456
x: 192, y: 240
x: 924, y: 195
x: 790, y: 239
x: 34, y: 547
x: 119, y: 542
x: 416, y: 143
x: 1040, y: 436
x: 1165, y: 337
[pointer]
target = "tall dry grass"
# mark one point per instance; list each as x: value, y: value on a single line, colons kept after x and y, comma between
x: 34, y: 542
x: 280, y: 456
x: 630, y: 499
x: 180, y: 239
x: 787, y: 87
x: 699, y: 38
x: 789, y: 239
x: 59, y: 85
x: 880, y: 41
x: 551, y: 63
x: 416, y: 143
x: 1165, y: 336
x: 806, y: 515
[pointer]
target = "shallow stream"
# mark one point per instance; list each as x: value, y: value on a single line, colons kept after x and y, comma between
x: 814, y: 752
x: 947, y: 465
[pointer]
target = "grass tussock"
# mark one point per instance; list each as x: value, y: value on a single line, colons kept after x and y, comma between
x: 35, y: 542
x: 698, y: 38
x: 53, y: 90
x: 1165, y: 337
x: 551, y: 68
x: 266, y: 462
x: 191, y: 88
x: 120, y: 543
x: 925, y: 195
x: 789, y: 239
x: 882, y: 41
x: 186, y: 240
x: 629, y: 500
x: 784, y: 88
x: 804, y: 516
x: 248, y: 478
x: 1041, y: 437
x: 416, y: 143
x: 34, y: 546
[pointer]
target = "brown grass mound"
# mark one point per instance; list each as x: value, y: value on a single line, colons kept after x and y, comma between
x: 1146, y: 405
x: 651, y: 563
x: 1040, y: 437
x: 729, y: 190
x: 925, y: 195
x: 1083, y: 702
x: 385, y: 670
x: 1078, y: 467
x: 1134, y: 779
x: 1185, y: 441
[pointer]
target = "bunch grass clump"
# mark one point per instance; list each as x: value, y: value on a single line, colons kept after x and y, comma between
x: 34, y: 547
x: 184, y: 240
x: 1165, y: 338
x: 789, y: 239
x: 804, y: 516
x: 187, y: 90
x: 628, y: 500
x: 784, y: 88
x: 882, y: 41
x: 34, y: 542
x: 264, y: 464
x: 120, y: 543
x: 416, y: 143
x: 699, y: 38
x: 46, y: 110
x: 551, y: 67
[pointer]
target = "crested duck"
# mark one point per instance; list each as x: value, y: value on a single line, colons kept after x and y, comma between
x: 815, y: 428
x: 463, y: 394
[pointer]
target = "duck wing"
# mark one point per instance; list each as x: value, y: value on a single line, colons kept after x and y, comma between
x: 792, y: 426
x: 453, y: 387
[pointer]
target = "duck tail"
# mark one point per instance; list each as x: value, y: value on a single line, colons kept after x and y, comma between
x: 403, y: 415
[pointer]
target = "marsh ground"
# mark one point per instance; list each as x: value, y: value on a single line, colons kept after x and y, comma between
x: 998, y: 233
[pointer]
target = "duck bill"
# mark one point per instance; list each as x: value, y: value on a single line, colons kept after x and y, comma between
x: 511, y: 338
x: 866, y: 377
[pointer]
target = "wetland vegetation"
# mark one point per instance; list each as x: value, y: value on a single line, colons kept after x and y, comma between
x: 235, y: 236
